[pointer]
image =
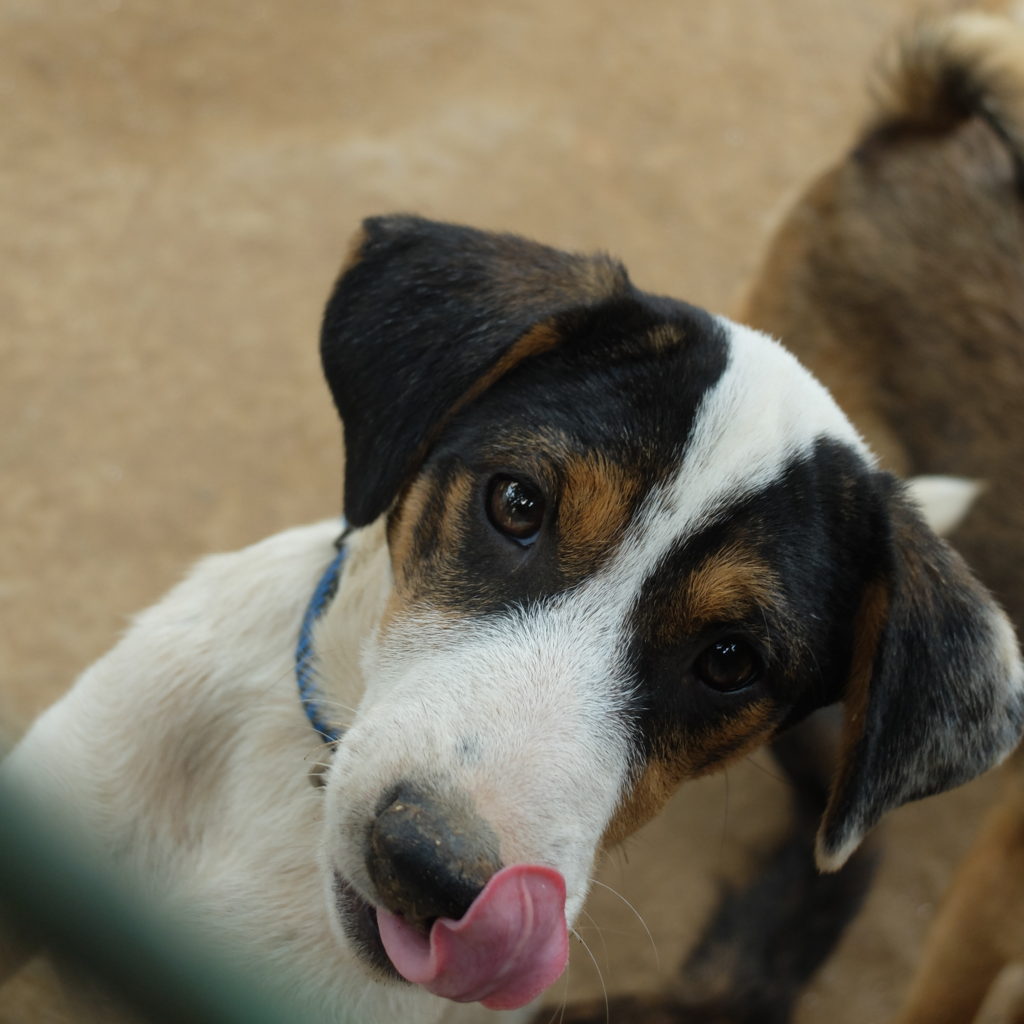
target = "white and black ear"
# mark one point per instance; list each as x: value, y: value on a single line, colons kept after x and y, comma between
x: 425, y: 314
x: 936, y: 690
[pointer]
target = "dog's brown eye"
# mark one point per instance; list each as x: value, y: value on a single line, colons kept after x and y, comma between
x: 515, y: 509
x: 728, y: 665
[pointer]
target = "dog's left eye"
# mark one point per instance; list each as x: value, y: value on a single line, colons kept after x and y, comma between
x: 515, y: 509
x: 727, y: 665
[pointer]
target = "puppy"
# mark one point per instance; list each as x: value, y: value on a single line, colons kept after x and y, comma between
x: 598, y: 542
x: 899, y: 278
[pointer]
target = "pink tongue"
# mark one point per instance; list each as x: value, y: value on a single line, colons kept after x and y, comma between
x: 509, y: 946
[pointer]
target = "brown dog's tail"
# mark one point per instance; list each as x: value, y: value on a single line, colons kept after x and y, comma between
x: 949, y: 68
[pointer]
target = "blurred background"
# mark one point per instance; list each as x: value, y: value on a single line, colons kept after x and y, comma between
x: 178, y: 184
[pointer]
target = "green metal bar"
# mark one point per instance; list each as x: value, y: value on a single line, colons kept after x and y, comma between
x: 83, y: 914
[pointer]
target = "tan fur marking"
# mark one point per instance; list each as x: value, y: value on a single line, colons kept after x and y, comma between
x: 595, y: 507
x: 457, y: 496
x: 419, y: 501
x: 734, y: 738
x: 540, y: 338
x: 402, y: 527
x: 648, y: 795
x: 724, y: 587
x: 870, y: 624
x: 664, y: 338
x: 413, y: 502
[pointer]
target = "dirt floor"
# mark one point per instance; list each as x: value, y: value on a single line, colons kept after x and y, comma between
x: 179, y: 182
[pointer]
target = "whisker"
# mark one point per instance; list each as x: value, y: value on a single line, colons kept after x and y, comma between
x: 600, y: 976
x: 560, y: 1009
x: 604, y: 929
x: 767, y: 771
x: 329, y: 702
x: 600, y: 934
x: 639, y: 917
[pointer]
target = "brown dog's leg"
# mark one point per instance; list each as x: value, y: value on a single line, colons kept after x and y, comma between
x: 980, y: 926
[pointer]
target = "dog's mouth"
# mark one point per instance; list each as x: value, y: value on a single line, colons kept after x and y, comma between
x: 359, y: 923
x: 510, y: 945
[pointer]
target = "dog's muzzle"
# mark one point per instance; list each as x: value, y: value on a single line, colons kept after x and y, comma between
x: 450, y: 917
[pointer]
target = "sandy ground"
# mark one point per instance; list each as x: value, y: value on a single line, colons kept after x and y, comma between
x: 177, y: 186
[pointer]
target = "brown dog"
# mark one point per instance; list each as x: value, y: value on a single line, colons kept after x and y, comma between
x: 899, y: 279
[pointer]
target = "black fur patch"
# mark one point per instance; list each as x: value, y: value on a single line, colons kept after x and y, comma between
x: 604, y: 389
x: 420, y: 314
x: 818, y: 530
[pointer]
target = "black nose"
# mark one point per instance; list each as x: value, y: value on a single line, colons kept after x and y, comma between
x: 429, y: 855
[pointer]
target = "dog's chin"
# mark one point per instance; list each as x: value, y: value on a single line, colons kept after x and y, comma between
x: 358, y: 920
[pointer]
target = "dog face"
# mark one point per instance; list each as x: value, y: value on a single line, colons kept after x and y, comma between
x: 629, y: 541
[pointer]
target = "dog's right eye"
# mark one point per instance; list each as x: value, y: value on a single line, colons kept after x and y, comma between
x: 515, y: 509
x: 728, y: 665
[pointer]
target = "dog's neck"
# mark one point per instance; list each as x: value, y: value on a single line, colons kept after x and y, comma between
x: 352, y: 616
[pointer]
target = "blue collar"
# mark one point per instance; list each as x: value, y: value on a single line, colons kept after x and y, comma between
x: 305, y: 674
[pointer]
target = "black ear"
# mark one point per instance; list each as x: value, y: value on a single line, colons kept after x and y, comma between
x: 426, y: 315
x: 935, y: 693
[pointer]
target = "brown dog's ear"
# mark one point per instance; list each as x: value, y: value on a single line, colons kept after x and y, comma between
x: 935, y: 693
x: 426, y: 315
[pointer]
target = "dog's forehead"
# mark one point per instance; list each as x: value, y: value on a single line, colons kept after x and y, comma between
x: 624, y: 377
x: 644, y: 430
x: 764, y: 412
x: 697, y: 409
x: 764, y: 415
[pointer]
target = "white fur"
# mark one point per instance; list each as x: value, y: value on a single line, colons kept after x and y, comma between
x: 766, y: 410
x: 186, y: 749
x: 186, y: 752
x: 763, y: 412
